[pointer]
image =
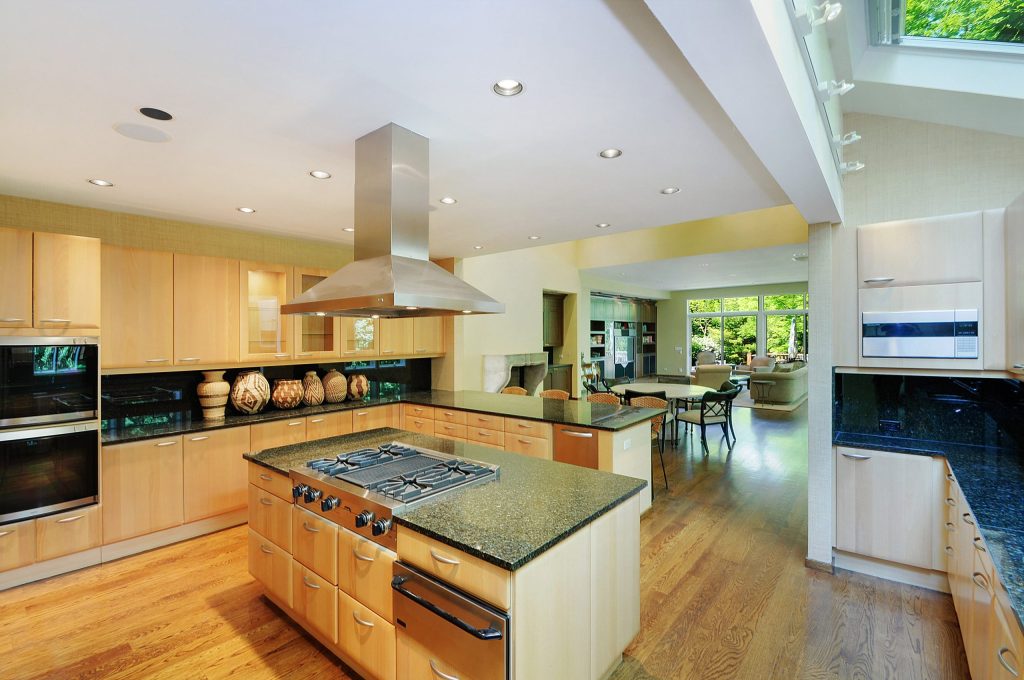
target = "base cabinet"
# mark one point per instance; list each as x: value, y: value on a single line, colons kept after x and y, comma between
x: 66, y: 533
x: 271, y: 566
x: 367, y: 637
x: 17, y: 544
x: 141, y: 487
x: 214, y: 472
x: 316, y: 601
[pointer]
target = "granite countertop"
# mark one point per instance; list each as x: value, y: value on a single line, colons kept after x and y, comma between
x: 992, y: 482
x: 532, y: 505
x: 578, y: 413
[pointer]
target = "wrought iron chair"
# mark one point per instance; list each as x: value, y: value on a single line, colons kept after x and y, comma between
x: 657, y: 426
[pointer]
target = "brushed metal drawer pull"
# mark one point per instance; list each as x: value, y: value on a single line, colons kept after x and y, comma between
x: 967, y: 519
x: 950, y: 526
x: 880, y: 279
x: 439, y: 673
x: 949, y: 550
x: 363, y: 413
x: 387, y: 351
x: 266, y: 501
x: 304, y: 354
x: 580, y: 435
x: 481, y: 433
x: 950, y: 478
x: 316, y: 420
x: 312, y: 530
x: 362, y: 557
x: 189, y: 359
x: 984, y: 581
x: 198, y: 439
x: 524, y: 426
x: 448, y: 427
x: 1005, y: 664
x: 55, y: 320
x: 418, y: 410
x: 11, y: 319
x: 297, y: 422
x: 70, y: 519
x: 165, y: 444
x: 361, y: 622
x: 264, y: 548
x: 978, y: 546
x: 421, y: 349
x: 282, y: 355
x: 526, y: 441
x: 309, y: 584
x: 442, y: 559
x: 856, y: 456
x: 950, y: 502
x: 156, y: 361
x: 5, y: 533
x: 265, y: 477
x: 447, y: 413
x: 417, y: 422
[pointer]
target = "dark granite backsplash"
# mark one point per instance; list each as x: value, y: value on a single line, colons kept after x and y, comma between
x: 974, y: 411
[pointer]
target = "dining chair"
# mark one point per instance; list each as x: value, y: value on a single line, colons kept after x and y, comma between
x: 604, y: 398
x: 609, y: 383
x: 512, y: 389
x: 657, y: 426
x: 714, y: 410
x: 554, y: 394
x: 733, y: 390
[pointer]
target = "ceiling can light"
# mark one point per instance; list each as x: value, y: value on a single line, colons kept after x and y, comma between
x: 412, y: 309
x: 448, y: 200
x: 320, y: 174
x: 478, y: 247
x: 101, y: 183
x: 508, y: 87
x: 535, y: 238
x: 670, y: 190
x: 833, y: 88
x: 850, y: 166
x: 610, y: 153
x: 467, y: 311
x: 247, y: 211
x: 348, y: 229
x: 602, y: 225
x: 155, y: 114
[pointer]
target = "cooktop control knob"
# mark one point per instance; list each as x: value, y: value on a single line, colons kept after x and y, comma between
x: 329, y: 503
x: 381, y: 527
x: 312, y: 495
x: 298, y: 490
x: 364, y: 518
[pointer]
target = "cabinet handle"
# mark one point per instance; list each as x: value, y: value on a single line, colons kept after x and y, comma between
x: 11, y: 319
x: 349, y: 351
x: 317, y: 420
x: 417, y: 409
x: 967, y: 519
x: 293, y: 424
x: 1006, y: 664
x: 189, y: 359
x: 265, y: 477
x: 1018, y: 365
x: 856, y: 456
x: 524, y: 425
x: 304, y: 354
x: 266, y: 501
x: 481, y: 433
x: 441, y: 558
x: 312, y: 530
x: 977, y: 544
x: 266, y: 549
x: 950, y: 478
x: 880, y: 279
x: 582, y: 435
x: 984, y: 581
x: 447, y: 413
x: 70, y: 519
x: 156, y: 361
x: 417, y: 422
x: 526, y: 441
x: 282, y: 355
x: 448, y: 427
x: 950, y: 526
x: 949, y: 550
x: 368, y: 624
x: 309, y: 584
x: 439, y: 673
x: 165, y: 444
x: 4, y: 533
x: 198, y: 439
x: 387, y: 351
x: 363, y: 413
x: 950, y: 502
x: 361, y: 557
x: 55, y: 320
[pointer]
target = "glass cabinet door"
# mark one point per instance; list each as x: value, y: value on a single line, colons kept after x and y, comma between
x: 316, y: 337
x: 265, y: 332
x: 359, y: 337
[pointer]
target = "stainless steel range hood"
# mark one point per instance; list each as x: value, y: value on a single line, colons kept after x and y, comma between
x: 392, y: 275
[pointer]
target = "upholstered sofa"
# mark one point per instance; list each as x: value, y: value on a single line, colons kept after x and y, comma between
x: 789, y: 384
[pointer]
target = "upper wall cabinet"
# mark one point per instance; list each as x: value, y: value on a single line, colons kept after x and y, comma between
x: 428, y: 334
x: 396, y: 337
x: 137, y: 301
x: 1015, y: 285
x: 65, y: 281
x: 316, y: 337
x: 205, y: 310
x: 266, y: 333
x: 359, y: 337
x: 946, y: 249
x: 15, y: 278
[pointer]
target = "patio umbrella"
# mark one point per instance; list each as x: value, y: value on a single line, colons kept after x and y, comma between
x: 792, y: 338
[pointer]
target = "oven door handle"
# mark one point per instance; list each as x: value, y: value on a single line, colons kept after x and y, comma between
x: 39, y: 432
x: 479, y: 633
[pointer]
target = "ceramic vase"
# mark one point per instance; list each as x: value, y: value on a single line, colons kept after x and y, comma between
x: 358, y: 386
x: 287, y: 393
x: 312, y: 389
x: 335, y: 387
x: 213, y: 394
x: 250, y: 393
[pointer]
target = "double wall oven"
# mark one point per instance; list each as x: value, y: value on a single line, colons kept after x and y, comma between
x: 49, y: 425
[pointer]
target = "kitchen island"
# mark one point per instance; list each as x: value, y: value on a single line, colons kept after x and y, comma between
x: 552, y: 549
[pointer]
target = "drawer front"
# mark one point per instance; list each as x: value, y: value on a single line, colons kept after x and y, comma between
x: 328, y: 425
x: 17, y: 544
x: 451, y: 430
x: 370, y: 418
x: 366, y: 637
x: 271, y: 517
x: 486, y: 581
x: 577, y: 446
x: 364, y: 572
x: 268, y: 480
x: 417, y: 411
x: 316, y: 601
x: 528, y: 428
x: 271, y: 566
x: 485, y: 421
x: 495, y: 438
x: 68, y: 532
x: 448, y: 415
x: 419, y: 425
x: 278, y: 433
x: 315, y: 543
x: 535, y: 447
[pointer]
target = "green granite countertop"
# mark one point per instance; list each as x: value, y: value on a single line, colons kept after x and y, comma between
x: 532, y: 505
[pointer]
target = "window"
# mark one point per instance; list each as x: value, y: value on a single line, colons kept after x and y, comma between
x: 972, y: 24
x: 739, y: 338
x: 737, y: 327
x: 705, y: 336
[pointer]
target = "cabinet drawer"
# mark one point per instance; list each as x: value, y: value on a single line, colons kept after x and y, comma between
x: 536, y: 447
x: 485, y: 421
x: 417, y: 411
x: 495, y: 438
x: 278, y: 433
x: 451, y: 430
x: 270, y: 516
x: 366, y: 637
x: 529, y: 428
x: 271, y: 566
x: 484, y: 580
x: 364, y: 572
x: 576, y: 446
x: 315, y: 543
x: 316, y: 601
x: 371, y: 418
x: 450, y: 416
x: 268, y: 480
x: 328, y: 425
x: 419, y: 425
x: 68, y: 532
x: 17, y: 544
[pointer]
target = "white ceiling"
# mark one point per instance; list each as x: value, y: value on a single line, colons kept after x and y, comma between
x: 717, y: 270
x: 263, y: 92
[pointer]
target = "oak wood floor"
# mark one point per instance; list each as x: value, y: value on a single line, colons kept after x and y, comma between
x: 724, y: 588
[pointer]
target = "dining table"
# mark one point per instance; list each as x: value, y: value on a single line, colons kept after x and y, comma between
x: 675, y: 392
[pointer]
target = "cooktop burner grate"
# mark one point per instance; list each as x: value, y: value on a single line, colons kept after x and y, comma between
x: 366, y: 477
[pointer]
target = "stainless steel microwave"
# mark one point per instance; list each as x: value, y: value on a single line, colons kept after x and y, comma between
x: 46, y: 380
x: 933, y: 334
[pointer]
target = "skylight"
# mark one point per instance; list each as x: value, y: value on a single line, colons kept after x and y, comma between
x: 988, y: 25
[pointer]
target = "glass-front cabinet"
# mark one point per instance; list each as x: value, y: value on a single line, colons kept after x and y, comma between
x: 265, y: 332
x: 360, y: 337
x: 316, y: 337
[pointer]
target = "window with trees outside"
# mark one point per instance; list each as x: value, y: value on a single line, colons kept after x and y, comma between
x: 734, y: 328
x: 988, y: 24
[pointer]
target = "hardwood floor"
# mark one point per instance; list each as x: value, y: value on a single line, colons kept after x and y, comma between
x: 725, y: 594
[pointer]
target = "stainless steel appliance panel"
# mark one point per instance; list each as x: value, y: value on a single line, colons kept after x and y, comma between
x: 935, y: 334
x: 48, y: 380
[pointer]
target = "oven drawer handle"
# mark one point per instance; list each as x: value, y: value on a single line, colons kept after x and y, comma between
x: 1002, y: 660
x: 441, y: 558
x: 70, y: 519
x: 362, y: 557
x: 444, y: 676
x: 362, y: 622
x: 578, y: 435
x: 309, y: 584
x: 479, y: 633
x: 198, y: 439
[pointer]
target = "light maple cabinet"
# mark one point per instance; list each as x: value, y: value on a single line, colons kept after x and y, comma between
x: 428, y: 335
x: 137, y: 299
x: 271, y: 517
x: 396, y: 337
x: 205, y: 310
x: 214, y: 472
x: 315, y: 543
x: 328, y: 425
x: 316, y: 337
x: 277, y: 433
x: 365, y: 636
x: 373, y: 417
x: 271, y: 566
x: 359, y: 337
x: 932, y: 250
x: 141, y: 488
x: 68, y: 532
x: 265, y: 333
x: 364, y: 572
x: 65, y: 281
x: 17, y: 544
x: 316, y: 601
x: 15, y: 278
x: 1015, y: 285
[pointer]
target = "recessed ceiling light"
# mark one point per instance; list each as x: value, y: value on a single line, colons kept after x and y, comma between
x: 321, y: 313
x: 602, y: 225
x: 478, y: 247
x: 535, y: 238
x: 799, y: 257
x: 101, y: 183
x: 349, y: 229
x: 670, y: 190
x: 320, y: 174
x: 247, y: 211
x: 467, y: 311
x: 448, y: 200
x: 610, y: 153
x: 155, y: 114
x: 508, y: 87
x: 412, y: 309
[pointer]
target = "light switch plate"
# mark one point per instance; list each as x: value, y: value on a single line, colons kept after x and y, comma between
x: 626, y: 443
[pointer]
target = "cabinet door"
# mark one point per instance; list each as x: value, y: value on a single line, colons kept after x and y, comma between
x: 946, y: 249
x: 277, y: 433
x: 396, y: 337
x: 359, y: 337
x: 980, y: 631
x: 316, y: 601
x: 265, y: 332
x: 428, y: 335
x: 65, y: 281
x: 15, y: 278
x: 886, y: 505
x: 137, y: 307
x: 316, y: 337
x: 364, y: 572
x: 372, y: 418
x: 142, y: 488
x: 205, y: 310
x: 328, y: 425
x: 68, y: 532
x: 17, y: 544
x: 315, y: 543
x: 577, y: 446
x: 270, y: 517
x: 366, y: 637
x: 215, y: 474
x: 271, y: 566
